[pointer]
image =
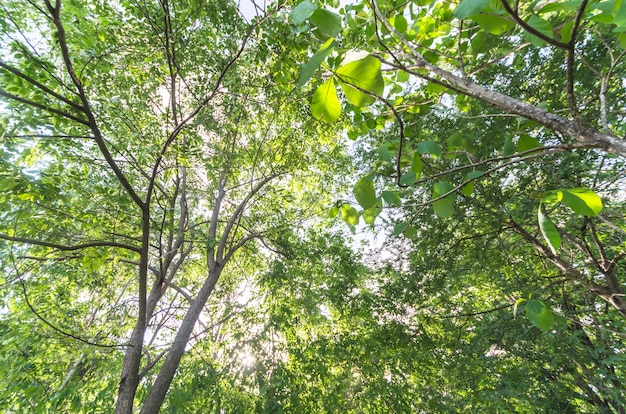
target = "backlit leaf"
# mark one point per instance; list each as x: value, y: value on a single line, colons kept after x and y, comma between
x: 349, y: 214
x: 429, y: 147
x: 363, y: 74
x: 582, y: 201
x: 364, y: 192
x: 325, y: 105
x: 540, y: 314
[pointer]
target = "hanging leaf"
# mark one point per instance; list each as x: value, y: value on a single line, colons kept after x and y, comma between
x: 540, y: 314
x: 349, y: 214
x: 327, y: 21
x: 392, y: 198
x: 493, y: 24
x: 542, y: 26
x: 316, y: 60
x: 364, y: 192
x: 325, y: 105
x: 549, y: 231
x: 583, y: 201
x: 470, y: 7
x: 417, y: 165
x: 410, y: 233
x: 467, y: 189
x: 429, y: 147
x: 399, y: 228
x: 444, y: 208
x: 509, y: 147
x: 526, y: 142
x: 369, y: 215
x: 408, y: 178
x: 302, y: 12
x: 364, y: 74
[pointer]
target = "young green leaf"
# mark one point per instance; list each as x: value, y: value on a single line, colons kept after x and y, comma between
x: 364, y: 192
x: 349, y: 214
x: 470, y: 7
x: 302, y: 12
x: 363, y: 74
x: 526, y: 142
x: 316, y: 60
x: 549, y: 231
x: 583, y: 201
x: 509, y: 147
x: 540, y: 314
x: 399, y: 228
x: 370, y: 214
x: 325, y: 104
x: 444, y: 207
x: 392, y: 198
x: 429, y: 147
x: 327, y: 21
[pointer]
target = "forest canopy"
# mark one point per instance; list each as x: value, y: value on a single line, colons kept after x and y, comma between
x: 312, y: 206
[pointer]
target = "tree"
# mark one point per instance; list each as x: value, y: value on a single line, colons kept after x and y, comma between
x: 494, y: 115
x: 145, y: 148
x: 553, y: 73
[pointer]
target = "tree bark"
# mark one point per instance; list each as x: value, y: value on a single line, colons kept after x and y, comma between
x: 172, y: 361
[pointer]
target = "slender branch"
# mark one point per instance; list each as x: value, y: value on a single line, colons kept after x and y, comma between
x: 55, y: 12
x: 69, y: 248
x: 59, y: 330
x: 514, y: 14
x: 44, y: 107
x: 233, y: 218
x: 40, y: 86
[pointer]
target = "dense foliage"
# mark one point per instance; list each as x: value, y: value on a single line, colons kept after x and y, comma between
x: 181, y: 229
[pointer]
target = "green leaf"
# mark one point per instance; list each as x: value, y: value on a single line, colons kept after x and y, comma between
x: 316, y: 60
x: 549, y: 231
x: 470, y: 7
x: 399, y: 228
x: 408, y: 178
x: 410, y: 233
x: 349, y: 214
x: 582, y: 201
x: 540, y: 314
x: 467, y: 189
x: 327, y: 21
x: 417, y: 165
x: 364, y: 192
x: 444, y: 208
x: 400, y: 23
x: 364, y: 74
x: 429, y: 147
x: 542, y: 26
x: 370, y: 214
x: 475, y: 174
x: 509, y: 147
x: 332, y: 213
x: 302, y: 12
x: 392, y: 198
x: 325, y: 105
x: 526, y: 142
x: 493, y: 24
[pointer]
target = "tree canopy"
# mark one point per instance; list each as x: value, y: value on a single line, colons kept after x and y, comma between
x: 365, y: 206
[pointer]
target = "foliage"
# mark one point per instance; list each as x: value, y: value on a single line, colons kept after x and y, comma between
x: 166, y: 169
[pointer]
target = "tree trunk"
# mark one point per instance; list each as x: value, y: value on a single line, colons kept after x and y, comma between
x: 172, y: 361
x: 132, y: 360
